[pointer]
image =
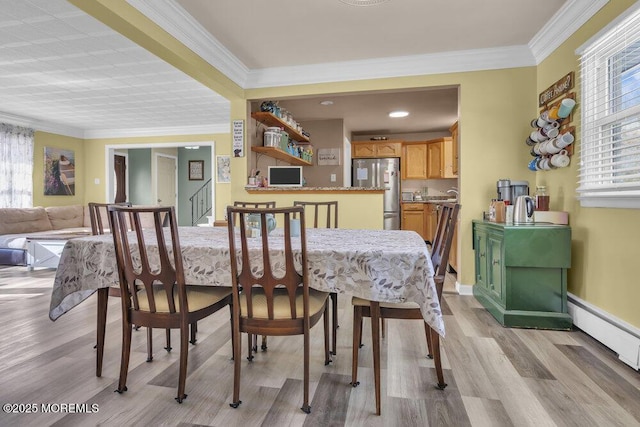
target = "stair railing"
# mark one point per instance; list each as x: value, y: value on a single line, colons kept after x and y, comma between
x: 201, y: 202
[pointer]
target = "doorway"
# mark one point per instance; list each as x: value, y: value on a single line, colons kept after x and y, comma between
x: 120, y: 177
x: 148, y: 174
x: 166, y: 180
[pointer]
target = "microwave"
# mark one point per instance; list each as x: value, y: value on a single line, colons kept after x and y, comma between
x: 407, y: 196
x: 285, y: 176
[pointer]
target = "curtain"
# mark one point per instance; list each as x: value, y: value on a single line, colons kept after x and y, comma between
x: 16, y: 166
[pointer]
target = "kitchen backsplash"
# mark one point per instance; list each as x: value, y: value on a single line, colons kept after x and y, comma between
x: 436, y: 187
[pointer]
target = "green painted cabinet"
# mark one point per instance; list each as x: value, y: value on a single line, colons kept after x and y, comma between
x: 521, y: 273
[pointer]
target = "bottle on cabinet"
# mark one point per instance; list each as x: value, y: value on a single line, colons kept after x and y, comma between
x: 542, y: 198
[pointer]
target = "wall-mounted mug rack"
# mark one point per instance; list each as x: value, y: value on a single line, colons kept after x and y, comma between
x: 552, y: 137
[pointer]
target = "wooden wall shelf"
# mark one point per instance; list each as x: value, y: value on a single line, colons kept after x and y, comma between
x: 269, y: 119
x: 277, y: 153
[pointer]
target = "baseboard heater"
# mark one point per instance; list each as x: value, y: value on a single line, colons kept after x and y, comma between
x: 619, y: 336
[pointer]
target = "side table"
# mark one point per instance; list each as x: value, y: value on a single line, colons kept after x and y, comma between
x: 44, y: 250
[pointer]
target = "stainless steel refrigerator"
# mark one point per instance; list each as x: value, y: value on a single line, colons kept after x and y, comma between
x: 381, y: 173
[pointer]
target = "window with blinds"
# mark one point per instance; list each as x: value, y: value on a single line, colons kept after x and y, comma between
x: 610, y: 137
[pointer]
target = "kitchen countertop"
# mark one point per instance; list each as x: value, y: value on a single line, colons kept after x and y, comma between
x: 433, y: 199
x: 314, y: 189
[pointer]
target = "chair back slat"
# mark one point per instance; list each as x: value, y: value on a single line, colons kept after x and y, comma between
x: 150, y: 260
x: 242, y: 204
x: 245, y: 278
x: 329, y: 211
x: 442, y: 241
x: 99, y: 216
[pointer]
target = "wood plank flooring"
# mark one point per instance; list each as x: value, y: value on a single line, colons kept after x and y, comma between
x: 496, y: 376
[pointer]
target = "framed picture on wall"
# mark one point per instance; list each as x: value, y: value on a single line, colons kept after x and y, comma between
x: 196, y: 170
x: 59, y: 172
x: 223, y: 169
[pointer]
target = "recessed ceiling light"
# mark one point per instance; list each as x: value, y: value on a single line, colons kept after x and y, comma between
x: 326, y: 102
x: 396, y: 114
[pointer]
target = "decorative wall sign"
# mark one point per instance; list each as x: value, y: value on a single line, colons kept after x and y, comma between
x: 328, y: 156
x: 562, y: 86
x: 59, y: 172
x: 223, y: 169
x: 196, y: 170
x: 238, y: 138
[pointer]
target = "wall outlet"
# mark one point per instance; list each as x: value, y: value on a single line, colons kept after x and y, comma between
x: 96, y: 181
x: 333, y: 177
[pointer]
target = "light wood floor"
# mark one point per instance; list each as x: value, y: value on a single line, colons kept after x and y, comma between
x: 496, y: 376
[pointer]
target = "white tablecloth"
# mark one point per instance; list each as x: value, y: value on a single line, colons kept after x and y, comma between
x: 379, y: 265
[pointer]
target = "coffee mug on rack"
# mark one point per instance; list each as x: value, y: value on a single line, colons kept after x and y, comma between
x: 565, y: 107
x: 563, y: 140
x: 538, y: 136
x: 552, y: 146
x: 533, y: 164
x: 545, y: 163
x: 536, y: 149
x: 542, y: 148
x: 550, y: 131
x: 561, y: 160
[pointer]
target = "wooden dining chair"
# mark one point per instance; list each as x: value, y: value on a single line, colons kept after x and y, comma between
x: 329, y: 211
x: 254, y: 346
x: 152, y: 283
x: 99, y: 219
x: 268, y: 302
x: 441, y: 247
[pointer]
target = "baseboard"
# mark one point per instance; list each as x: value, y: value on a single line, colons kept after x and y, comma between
x: 464, y: 289
x: 618, y: 335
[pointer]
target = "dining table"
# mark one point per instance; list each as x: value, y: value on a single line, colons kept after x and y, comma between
x: 378, y: 265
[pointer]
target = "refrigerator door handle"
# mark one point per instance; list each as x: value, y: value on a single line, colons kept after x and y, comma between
x: 375, y: 167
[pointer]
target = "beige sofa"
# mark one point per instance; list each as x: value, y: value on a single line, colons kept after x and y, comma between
x: 16, y: 224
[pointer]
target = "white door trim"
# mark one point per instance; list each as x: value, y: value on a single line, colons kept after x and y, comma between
x: 109, y: 150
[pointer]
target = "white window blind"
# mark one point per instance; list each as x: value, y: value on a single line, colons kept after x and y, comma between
x: 610, y: 107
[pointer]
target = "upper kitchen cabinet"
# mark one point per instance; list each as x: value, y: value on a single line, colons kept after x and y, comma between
x: 414, y: 160
x: 454, y: 139
x: 440, y: 158
x: 376, y: 149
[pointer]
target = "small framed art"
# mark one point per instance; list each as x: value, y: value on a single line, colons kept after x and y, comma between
x: 196, y: 170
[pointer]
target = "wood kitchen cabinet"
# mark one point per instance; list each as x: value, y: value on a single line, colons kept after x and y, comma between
x: 376, y: 149
x: 431, y: 212
x: 413, y: 218
x: 455, y: 142
x: 521, y: 273
x: 414, y: 160
x: 440, y: 158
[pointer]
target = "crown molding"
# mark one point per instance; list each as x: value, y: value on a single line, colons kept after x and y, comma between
x: 161, y: 131
x: 74, y: 132
x: 177, y: 22
x: 172, y: 18
x: 41, y: 125
x: 566, y: 21
x: 401, y: 66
